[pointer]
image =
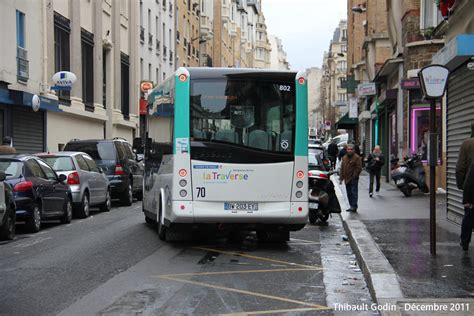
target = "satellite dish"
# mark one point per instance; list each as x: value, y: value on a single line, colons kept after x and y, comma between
x: 35, y: 103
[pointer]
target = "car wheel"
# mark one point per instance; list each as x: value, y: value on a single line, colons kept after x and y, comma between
x: 150, y: 220
x: 84, y: 211
x: 406, y: 191
x: 107, y: 206
x: 7, y: 231
x: 67, y: 217
x: 139, y: 196
x: 161, y: 228
x: 127, y: 197
x: 33, y: 224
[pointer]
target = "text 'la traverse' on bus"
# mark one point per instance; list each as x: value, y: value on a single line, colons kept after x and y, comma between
x: 227, y: 148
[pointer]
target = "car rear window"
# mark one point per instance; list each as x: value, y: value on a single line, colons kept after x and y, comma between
x: 59, y: 163
x: 12, y: 169
x: 97, y: 150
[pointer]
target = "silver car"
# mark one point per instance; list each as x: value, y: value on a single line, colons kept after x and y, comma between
x: 89, y: 185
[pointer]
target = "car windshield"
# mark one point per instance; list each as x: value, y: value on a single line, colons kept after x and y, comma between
x: 59, y: 163
x: 97, y: 150
x: 12, y: 169
x: 314, y: 159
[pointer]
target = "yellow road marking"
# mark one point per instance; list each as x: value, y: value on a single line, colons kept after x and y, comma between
x: 271, y: 297
x: 305, y: 309
x: 232, y: 253
x: 240, y: 271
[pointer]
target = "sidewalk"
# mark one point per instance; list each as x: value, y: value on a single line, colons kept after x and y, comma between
x: 391, y: 236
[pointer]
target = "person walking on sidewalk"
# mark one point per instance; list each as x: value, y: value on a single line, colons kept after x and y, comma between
x: 375, y: 161
x: 351, y: 168
x: 465, y: 182
x: 332, y: 153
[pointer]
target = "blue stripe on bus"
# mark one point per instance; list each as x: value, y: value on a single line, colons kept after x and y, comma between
x: 181, y: 110
x: 301, y: 137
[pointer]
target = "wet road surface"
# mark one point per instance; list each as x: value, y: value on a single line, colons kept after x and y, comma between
x: 114, y: 263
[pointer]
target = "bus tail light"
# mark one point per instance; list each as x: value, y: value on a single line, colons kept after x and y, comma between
x: 300, y: 174
x: 183, y: 193
x: 183, y: 77
x: 300, y: 209
x: 23, y: 186
x: 301, y: 80
x: 183, y: 173
x: 73, y: 178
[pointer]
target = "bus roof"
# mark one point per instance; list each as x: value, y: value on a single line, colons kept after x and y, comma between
x: 215, y: 72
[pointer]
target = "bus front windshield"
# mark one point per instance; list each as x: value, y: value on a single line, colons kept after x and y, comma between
x: 251, y: 120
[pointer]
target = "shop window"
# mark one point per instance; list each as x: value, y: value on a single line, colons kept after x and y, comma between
x: 420, y: 130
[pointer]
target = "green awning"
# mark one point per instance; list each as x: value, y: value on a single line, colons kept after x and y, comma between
x: 346, y: 123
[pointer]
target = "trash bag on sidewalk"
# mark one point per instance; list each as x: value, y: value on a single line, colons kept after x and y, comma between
x: 340, y: 193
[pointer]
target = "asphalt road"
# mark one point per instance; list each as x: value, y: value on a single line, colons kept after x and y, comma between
x: 114, y: 263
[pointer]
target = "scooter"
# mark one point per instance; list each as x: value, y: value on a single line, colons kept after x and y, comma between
x: 322, y: 196
x: 409, y: 175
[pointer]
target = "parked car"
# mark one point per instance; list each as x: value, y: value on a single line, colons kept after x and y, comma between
x: 340, y: 140
x: 88, y: 184
x: 39, y: 193
x: 7, y: 209
x: 118, y: 162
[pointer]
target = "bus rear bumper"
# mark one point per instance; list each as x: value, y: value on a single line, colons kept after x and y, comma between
x: 204, y: 212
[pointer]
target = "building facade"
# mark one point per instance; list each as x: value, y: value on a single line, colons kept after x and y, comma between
x: 98, y: 41
x: 278, y: 58
x: 187, y: 37
x: 333, y: 85
x: 315, y: 115
x: 457, y: 27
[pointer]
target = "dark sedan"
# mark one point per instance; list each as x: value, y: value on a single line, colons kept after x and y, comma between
x: 7, y: 210
x: 39, y: 193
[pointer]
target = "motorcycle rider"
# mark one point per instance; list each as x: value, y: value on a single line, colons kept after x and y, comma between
x: 351, y: 167
x: 465, y: 182
x: 375, y: 161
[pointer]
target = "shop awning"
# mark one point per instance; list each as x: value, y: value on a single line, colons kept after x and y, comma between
x: 346, y: 123
x: 389, y: 67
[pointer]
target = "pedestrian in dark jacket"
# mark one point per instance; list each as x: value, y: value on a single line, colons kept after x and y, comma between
x: 374, y: 162
x: 351, y: 168
x: 332, y: 153
x: 465, y: 182
x: 342, y: 152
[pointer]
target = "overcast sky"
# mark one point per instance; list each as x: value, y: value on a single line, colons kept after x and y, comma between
x: 305, y: 27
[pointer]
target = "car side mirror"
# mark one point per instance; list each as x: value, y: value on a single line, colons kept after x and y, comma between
x: 101, y: 170
x: 62, y: 178
x: 3, y: 176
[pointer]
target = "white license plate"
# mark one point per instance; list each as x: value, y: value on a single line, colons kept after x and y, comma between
x: 313, y: 205
x: 241, y: 206
x: 401, y: 181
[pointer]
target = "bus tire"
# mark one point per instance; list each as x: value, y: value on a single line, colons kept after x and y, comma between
x: 161, y: 228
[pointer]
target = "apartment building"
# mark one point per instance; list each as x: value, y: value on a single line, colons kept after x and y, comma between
x: 98, y: 41
x: 187, y: 33
x: 278, y: 57
x: 262, y: 44
x: 315, y: 114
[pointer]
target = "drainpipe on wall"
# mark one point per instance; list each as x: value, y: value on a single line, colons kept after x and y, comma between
x: 44, y: 84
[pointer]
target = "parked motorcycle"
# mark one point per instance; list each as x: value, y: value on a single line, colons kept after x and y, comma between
x: 322, y: 196
x: 409, y: 175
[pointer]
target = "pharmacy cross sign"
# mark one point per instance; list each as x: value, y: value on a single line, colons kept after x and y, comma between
x: 350, y: 84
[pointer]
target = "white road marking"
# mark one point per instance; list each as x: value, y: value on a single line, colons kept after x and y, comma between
x: 33, y: 242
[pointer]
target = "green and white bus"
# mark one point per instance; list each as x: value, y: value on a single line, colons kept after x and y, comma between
x: 227, y: 148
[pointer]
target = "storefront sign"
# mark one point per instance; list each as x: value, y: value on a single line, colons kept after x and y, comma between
x: 409, y: 84
x: 365, y: 89
x: 145, y: 86
x: 353, y: 110
x: 433, y: 79
x: 63, y: 80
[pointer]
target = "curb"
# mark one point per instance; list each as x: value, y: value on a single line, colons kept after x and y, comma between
x: 381, y: 278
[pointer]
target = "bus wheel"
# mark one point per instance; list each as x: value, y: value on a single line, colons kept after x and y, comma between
x: 161, y: 227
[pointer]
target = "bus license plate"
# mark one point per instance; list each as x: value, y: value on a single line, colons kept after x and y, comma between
x: 313, y: 206
x: 241, y: 206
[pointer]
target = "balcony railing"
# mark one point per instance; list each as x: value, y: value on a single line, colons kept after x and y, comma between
x: 142, y: 34
x: 150, y: 40
x: 158, y: 47
x: 23, y: 65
